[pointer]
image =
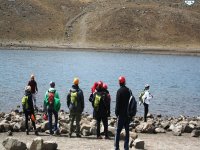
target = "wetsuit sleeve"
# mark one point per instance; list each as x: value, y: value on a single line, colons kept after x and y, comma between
x: 68, y: 99
x: 36, y: 86
x: 109, y: 100
x: 117, y: 104
x: 82, y: 101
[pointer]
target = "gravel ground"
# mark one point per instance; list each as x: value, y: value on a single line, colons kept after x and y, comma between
x: 152, y: 141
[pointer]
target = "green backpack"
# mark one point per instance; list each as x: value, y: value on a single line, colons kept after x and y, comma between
x: 97, y: 102
x: 74, y: 98
x: 140, y: 96
x: 25, y: 101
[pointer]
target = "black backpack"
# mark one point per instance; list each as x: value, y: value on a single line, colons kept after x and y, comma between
x: 132, y: 106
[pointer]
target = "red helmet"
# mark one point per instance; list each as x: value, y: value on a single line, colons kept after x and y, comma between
x: 100, y: 84
x: 122, y: 80
x: 105, y: 86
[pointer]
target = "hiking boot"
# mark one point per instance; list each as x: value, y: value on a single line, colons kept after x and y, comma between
x: 51, y: 132
x: 99, y: 137
x: 27, y: 132
x: 78, y: 135
x: 36, y: 133
x: 70, y: 135
x: 107, y: 137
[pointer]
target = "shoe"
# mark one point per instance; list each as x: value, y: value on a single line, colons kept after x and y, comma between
x: 99, y: 137
x: 27, y: 132
x: 78, y: 135
x: 70, y: 135
x: 36, y: 133
x: 51, y: 132
x: 107, y: 137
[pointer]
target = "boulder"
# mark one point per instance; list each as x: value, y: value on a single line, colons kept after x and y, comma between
x: 13, y: 144
x: 133, y: 135
x: 44, y: 126
x: 5, y: 126
x: 171, y: 127
x: 195, y: 133
x: 93, y: 130
x: 145, y: 127
x: 50, y: 145
x: 177, y: 131
x: 111, y: 131
x: 160, y: 130
x: 165, y: 124
x: 85, y: 132
x: 23, y: 126
x: 37, y: 144
x: 9, y: 133
x: 16, y: 127
x: 188, y: 128
x: 2, y: 114
x: 86, y: 127
x: 138, y: 144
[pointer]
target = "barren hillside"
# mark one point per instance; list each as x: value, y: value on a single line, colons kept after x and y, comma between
x: 101, y: 23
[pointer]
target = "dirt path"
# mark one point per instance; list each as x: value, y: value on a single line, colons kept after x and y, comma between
x: 152, y: 142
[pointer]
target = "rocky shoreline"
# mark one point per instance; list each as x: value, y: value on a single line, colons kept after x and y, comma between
x: 14, y: 122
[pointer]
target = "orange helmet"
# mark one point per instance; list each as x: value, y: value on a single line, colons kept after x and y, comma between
x: 76, y: 81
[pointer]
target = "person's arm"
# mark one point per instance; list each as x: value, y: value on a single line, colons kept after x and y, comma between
x: 36, y: 86
x: 68, y: 99
x: 82, y: 101
x: 109, y: 100
x: 117, y: 104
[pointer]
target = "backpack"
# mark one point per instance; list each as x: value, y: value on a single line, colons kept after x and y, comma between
x: 140, y: 97
x: 73, y: 99
x: 25, y: 102
x: 132, y: 106
x: 97, y: 102
x: 51, y: 99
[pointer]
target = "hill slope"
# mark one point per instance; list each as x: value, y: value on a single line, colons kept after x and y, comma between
x: 100, y: 23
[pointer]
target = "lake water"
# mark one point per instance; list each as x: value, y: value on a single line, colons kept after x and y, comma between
x: 174, y: 80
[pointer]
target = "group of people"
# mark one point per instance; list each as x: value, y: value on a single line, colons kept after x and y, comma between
x: 100, y: 100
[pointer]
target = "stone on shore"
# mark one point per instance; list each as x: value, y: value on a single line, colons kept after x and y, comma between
x: 37, y: 144
x: 138, y: 144
x: 50, y: 145
x: 160, y: 130
x: 13, y: 144
x: 177, y: 131
x: 195, y: 133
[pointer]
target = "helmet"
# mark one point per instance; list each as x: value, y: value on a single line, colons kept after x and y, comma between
x: 147, y: 86
x: 76, y: 81
x: 122, y: 80
x: 28, y: 88
x: 52, y: 84
x: 105, y: 86
x: 94, y: 87
x: 100, y: 84
x: 32, y: 76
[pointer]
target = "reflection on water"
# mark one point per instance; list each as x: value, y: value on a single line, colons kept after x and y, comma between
x: 174, y: 80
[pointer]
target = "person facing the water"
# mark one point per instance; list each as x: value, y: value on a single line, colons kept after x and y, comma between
x: 146, y: 100
x: 101, y: 105
x: 93, y: 90
x: 75, y: 103
x: 34, y: 89
x: 123, y: 120
x: 28, y: 109
x: 52, y: 105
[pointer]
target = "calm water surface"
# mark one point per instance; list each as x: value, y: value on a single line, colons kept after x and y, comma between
x: 174, y: 80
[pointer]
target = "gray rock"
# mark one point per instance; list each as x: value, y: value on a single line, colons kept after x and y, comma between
x: 138, y: 144
x: 160, y: 130
x: 188, y: 128
x: 5, y: 126
x: 50, y: 145
x: 145, y: 127
x: 111, y: 131
x: 165, y: 124
x: 93, y: 130
x: 16, y: 127
x: 195, y: 133
x: 9, y: 133
x: 2, y: 114
x: 172, y: 126
x: 13, y: 144
x: 44, y: 126
x: 85, y: 132
x: 86, y: 127
x: 177, y: 131
x: 133, y: 135
x: 37, y: 144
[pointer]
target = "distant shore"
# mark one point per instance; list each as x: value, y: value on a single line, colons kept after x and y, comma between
x: 160, y: 50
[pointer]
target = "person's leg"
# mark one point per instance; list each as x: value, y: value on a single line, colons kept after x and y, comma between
x: 72, y: 118
x: 120, y: 123
x: 34, y: 100
x: 56, y: 120
x: 34, y: 126
x: 98, y: 127
x: 126, y: 140
x: 145, y: 112
x: 50, y: 120
x: 26, y: 122
x: 78, y: 119
x: 105, y: 124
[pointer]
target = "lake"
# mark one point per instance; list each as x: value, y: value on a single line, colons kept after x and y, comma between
x: 174, y: 80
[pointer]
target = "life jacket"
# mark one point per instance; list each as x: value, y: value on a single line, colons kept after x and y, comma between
x: 51, y: 98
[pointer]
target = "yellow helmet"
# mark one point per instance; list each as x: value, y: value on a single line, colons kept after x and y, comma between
x: 76, y: 81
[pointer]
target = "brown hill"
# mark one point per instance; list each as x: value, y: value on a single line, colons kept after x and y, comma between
x: 101, y: 23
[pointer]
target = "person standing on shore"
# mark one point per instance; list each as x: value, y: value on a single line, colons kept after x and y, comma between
x: 75, y: 103
x: 52, y: 103
x: 101, y: 105
x: 28, y: 109
x: 146, y: 101
x: 123, y: 120
x: 34, y: 89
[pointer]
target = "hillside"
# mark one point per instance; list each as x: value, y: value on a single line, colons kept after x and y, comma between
x: 123, y: 24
